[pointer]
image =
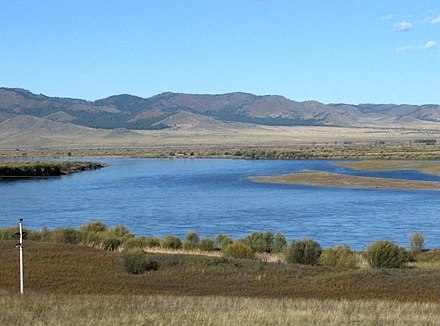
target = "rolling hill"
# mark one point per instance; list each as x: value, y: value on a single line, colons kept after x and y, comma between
x: 168, y: 110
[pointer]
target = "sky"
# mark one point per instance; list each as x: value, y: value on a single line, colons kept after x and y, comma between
x: 332, y: 51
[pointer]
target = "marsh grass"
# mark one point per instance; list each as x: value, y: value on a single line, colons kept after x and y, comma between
x: 74, y: 269
x: 43, y: 309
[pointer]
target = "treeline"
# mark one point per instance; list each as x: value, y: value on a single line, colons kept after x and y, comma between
x: 379, y: 254
x: 44, y: 169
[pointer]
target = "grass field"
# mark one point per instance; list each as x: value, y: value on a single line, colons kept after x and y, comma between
x: 75, y: 284
x: 44, y: 309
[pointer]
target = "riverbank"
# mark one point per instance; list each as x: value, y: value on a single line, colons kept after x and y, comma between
x: 31, y: 169
x: 326, y: 151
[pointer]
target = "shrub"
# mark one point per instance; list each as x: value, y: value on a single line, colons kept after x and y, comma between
x: 260, y: 242
x: 171, y: 242
x: 417, y: 241
x: 93, y: 239
x: 68, y: 235
x: 111, y: 243
x: 8, y: 233
x: 206, y: 244
x: 151, y: 242
x: 93, y: 227
x: 135, y: 261
x: 222, y: 241
x: 133, y: 243
x: 386, y: 254
x: 192, y: 240
x: 280, y: 243
x: 239, y: 250
x: 305, y: 252
x: 339, y: 256
x: 120, y: 231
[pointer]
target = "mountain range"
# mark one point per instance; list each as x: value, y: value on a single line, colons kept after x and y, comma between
x: 168, y: 110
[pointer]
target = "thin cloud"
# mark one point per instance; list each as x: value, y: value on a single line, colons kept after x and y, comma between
x: 430, y: 45
x: 435, y: 20
x: 388, y: 17
x: 405, y: 48
x: 402, y: 27
x: 410, y: 47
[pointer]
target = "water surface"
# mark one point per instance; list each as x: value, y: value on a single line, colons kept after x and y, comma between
x: 156, y: 197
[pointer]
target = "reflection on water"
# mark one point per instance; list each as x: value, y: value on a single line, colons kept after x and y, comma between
x: 174, y: 196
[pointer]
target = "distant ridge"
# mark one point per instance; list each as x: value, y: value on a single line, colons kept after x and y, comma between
x: 168, y: 110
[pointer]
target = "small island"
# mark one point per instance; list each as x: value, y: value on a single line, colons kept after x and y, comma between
x: 429, y: 167
x: 32, y: 169
x: 327, y: 179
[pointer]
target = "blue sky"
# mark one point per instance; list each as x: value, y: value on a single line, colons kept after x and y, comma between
x: 333, y: 51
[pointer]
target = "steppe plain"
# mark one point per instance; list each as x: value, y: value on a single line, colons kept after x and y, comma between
x: 33, y: 137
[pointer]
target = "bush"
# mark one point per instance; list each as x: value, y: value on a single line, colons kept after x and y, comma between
x: 339, y: 256
x: 111, y: 243
x: 260, y: 242
x: 135, y: 261
x: 280, y: 243
x: 305, y: 252
x: 141, y: 242
x: 386, y: 254
x: 222, y: 241
x: 120, y: 231
x: 417, y: 241
x: 93, y: 227
x: 8, y: 233
x: 239, y: 250
x: 68, y: 235
x: 171, y: 242
x: 192, y: 240
x: 206, y: 244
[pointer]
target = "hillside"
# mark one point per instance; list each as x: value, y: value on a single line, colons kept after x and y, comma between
x: 169, y: 109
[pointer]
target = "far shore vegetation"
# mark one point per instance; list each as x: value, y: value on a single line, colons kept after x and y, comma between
x: 21, y: 169
x: 345, y: 150
x: 259, y: 278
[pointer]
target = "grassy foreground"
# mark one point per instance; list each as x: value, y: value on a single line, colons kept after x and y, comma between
x: 212, y: 310
x: 68, y: 284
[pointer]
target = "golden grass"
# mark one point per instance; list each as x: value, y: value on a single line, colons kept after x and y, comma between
x: 39, y: 309
x: 327, y: 179
x: 431, y: 167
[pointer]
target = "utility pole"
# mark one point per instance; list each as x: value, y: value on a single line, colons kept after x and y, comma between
x: 20, y: 245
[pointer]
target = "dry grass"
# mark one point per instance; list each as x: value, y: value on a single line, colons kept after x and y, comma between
x: 38, y: 309
x: 78, y: 285
x: 327, y: 179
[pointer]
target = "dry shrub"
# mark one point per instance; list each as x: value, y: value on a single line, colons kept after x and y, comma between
x: 206, y: 244
x: 171, y: 242
x: 135, y: 261
x: 305, y: 252
x: 386, y: 254
x: 339, y: 256
x: 417, y: 241
x: 239, y: 250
